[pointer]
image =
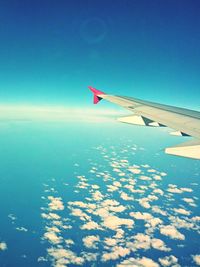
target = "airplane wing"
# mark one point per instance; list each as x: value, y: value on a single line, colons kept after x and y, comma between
x: 185, y: 122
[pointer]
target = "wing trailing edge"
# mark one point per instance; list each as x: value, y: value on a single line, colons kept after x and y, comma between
x: 185, y: 122
x: 189, y: 149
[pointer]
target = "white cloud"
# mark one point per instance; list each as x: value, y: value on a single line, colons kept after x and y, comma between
x: 182, y: 211
x: 158, y: 191
x: 110, y: 241
x: 52, y: 237
x: 151, y: 170
x: 94, y: 186
x: 169, y: 261
x: 69, y: 242
x: 113, y: 222
x: 141, y: 215
x: 145, y: 178
x: 79, y: 213
x: 181, y: 223
x: 56, y: 203
x: 196, y: 218
x: 125, y: 196
x: 91, y: 226
x: 62, y: 257
x: 188, y: 200
x: 97, y: 196
x: 186, y: 189
x: 134, y: 170
x: 50, y: 216
x: 172, y: 232
x: 139, y: 262
x: 89, y: 256
x: 91, y: 241
x: 153, y: 222
x: 21, y: 229
x: 142, y: 241
x: 144, y: 202
x: 116, y: 253
x: 196, y: 259
x: 157, y: 177
x: 158, y: 210
x: 159, y: 244
x: 3, y: 246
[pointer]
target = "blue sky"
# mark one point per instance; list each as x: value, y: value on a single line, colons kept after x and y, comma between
x: 52, y: 50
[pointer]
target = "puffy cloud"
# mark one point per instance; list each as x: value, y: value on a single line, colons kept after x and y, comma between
x: 172, y: 188
x: 120, y: 208
x: 112, y: 188
x: 91, y: 226
x: 169, y: 261
x: 56, y: 203
x: 89, y: 256
x: 196, y: 218
x: 94, y: 186
x: 196, y: 259
x: 125, y: 196
x: 141, y: 215
x: 139, y: 262
x: 158, y: 210
x: 116, y: 183
x: 52, y: 237
x: 79, y: 213
x: 116, y: 253
x: 145, y: 178
x: 91, y: 241
x: 151, y: 170
x: 188, y: 200
x: 186, y: 189
x: 113, y: 222
x: 3, y: 246
x: 158, y: 191
x: 172, y: 232
x: 110, y: 241
x: 157, y: 177
x: 141, y: 241
x: 50, y: 216
x: 153, y: 222
x: 159, y: 245
x: 97, y: 196
x: 134, y: 170
x: 69, y: 242
x: 61, y: 257
x: 180, y: 223
x: 182, y: 211
x: 144, y: 202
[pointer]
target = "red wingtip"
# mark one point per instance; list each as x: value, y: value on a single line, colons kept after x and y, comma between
x: 96, y: 93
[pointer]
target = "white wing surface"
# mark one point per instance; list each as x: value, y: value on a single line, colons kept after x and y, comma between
x: 185, y: 122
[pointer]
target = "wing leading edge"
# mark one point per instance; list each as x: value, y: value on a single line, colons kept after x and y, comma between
x: 185, y: 122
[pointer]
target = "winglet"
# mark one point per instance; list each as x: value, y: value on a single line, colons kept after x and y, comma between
x: 97, y: 94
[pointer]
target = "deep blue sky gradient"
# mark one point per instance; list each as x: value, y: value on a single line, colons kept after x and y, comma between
x: 50, y: 51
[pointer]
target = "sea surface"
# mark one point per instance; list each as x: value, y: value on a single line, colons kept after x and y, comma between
x: 95, y: 194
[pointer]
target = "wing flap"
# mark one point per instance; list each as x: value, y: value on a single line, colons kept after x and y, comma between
x: 189, y: 149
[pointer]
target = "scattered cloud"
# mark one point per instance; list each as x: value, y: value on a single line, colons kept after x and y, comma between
x: 138, y: 262
x: 91, y: 241
x: 196, y: 259
x: 169, y: 261
x: 172, y: 232
x: 3, y: 246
